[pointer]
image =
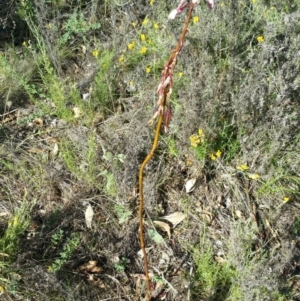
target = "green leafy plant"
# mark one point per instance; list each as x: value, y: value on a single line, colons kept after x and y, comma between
x: 121, y: 265
x: 17, y: 225
x: 104, y: 89
x: 57, y: 237
x: 110, y: 183
x: 76, y: 24
x: 69, y: 247
x: 123, y: 213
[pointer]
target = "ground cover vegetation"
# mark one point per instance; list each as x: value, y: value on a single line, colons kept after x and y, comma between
x: 78, y: 83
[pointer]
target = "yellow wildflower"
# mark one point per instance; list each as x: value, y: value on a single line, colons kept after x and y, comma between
x: 130, y: 45
x: 143, y: 37
x: 133, y: 24
x: 148, y: 69
x: 131, y: 83
x: 180, y: 74
x: 121, y: 58
x: 218, y: 153
x: 196, y: 19
x: 260, y: 39
x: 242, y: 167
x: 24, y: 44
x: 1, y: 289
x: 95, y: 53
x: 213, y: 157
x: 145, y: 21
x: 201, y: 133
x: 254, y: 1
x: 156, y: 26
x: 195, y: 140
x: 253, y: 176
x: 286, y: 199
x: 143, y: 50
x: 151, y: 2
x: 16, y: 221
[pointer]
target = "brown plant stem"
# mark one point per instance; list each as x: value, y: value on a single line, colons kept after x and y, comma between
x: 169, y: 70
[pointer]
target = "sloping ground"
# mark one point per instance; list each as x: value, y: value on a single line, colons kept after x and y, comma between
x: 76, y: 97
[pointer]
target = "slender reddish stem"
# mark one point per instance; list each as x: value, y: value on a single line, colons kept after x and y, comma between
x: 172, y: 60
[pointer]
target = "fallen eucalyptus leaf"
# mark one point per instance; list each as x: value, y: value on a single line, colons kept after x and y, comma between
x: 54, y: 150
x: 4, y: 213
x: 164, y: 226
x: 190, y: 185
x: 238, y: 214
x: 90, y: 267
x: 89, y: 213
x: 175, y: 218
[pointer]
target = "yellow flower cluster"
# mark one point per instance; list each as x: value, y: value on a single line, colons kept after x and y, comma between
x: 130, y: 45
x: 260, y: 39
x: 143, y: 50
x: 196, y: 139
x: 216, y: 155
x: 195, y: 19
x: 244, y: 167
x: 145, y: 40
x: 121, y: 58
x: 95, y: 53
x: 145, y: 21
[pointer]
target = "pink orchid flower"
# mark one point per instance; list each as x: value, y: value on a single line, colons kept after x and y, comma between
x: 184, y: 4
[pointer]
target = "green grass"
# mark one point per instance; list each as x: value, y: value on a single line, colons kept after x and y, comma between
x: 10, y: 242
x: 83, y: 166
x: 213, y: 280
x: 65, y: 254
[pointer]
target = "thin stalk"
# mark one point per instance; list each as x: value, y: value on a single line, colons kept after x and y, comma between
x: 169, y: 70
